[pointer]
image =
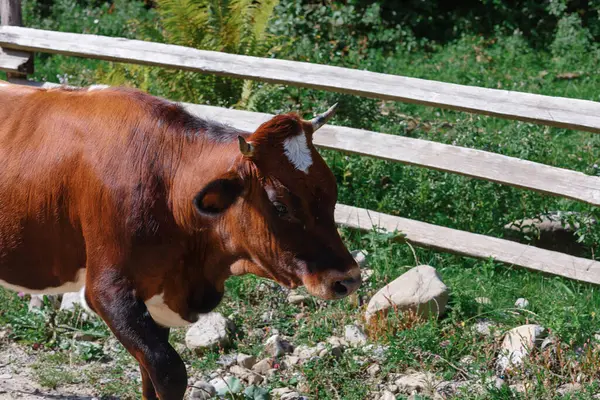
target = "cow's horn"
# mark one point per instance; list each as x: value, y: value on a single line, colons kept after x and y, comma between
x: 322, y: 119
x: 246, y: 148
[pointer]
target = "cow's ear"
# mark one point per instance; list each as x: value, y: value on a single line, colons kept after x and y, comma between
x: 218, y: 195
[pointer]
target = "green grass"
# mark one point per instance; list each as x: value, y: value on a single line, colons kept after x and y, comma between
x: 566, y: 308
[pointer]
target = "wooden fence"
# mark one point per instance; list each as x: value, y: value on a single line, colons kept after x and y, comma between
x: 17, y: 45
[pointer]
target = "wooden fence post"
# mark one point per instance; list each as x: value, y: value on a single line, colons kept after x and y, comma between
x: 10, y: 14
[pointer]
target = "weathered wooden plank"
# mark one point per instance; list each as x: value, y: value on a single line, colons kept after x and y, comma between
x: 15, y: 61
x: 454, y: 159
x: 553, y: 111
x: 16, y: 64
x: 10, y: 12
x: 473, y: 245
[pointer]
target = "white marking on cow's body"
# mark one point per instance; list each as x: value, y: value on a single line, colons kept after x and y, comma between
x: 65, y: 288
x: 297, y: 151
x: 97, y: 87
x: 162, y: 314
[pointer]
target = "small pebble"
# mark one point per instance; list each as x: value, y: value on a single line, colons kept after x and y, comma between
x: 522, y: 303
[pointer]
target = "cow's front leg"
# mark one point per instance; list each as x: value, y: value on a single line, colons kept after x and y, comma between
x: 148, y: 391
x: 112, y: 296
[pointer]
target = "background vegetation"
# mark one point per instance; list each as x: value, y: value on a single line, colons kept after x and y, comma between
x: 547, y: 47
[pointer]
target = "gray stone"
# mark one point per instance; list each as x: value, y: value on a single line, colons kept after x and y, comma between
x: 419, y: 290
x: 290, y: 361
x: 263, y: 366
x: 387, y: 395
x: 36, y: 301
x: 517, y: 345
x: 277, y: 346
x: 297, y: 299
x: 227, y: 360
x: 366, y: 274
x: 72, y: 300
x: 210, y: 331
x: 373, y: 370
x: 484, y: 328
x: 393, y: 388
x: 417, y: 382
x: 304, y: 352
x: 224, y: 384
x: 202, y: 391
x: 569, y: 388
x: 360, y: 256
x: 245, y: 360
x: 522, y: 303
x: 354, y: 335
x: 467, y: 360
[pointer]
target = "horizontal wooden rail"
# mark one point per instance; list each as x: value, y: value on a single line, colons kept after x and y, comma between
x: 15, y: 61
x: 473, y: 245
x: 421, y: 233
x: 460, y: 160
x: 553, y: 111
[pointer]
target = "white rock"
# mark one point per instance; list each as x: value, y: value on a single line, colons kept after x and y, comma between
x: 297, y: 299
x: 373, y: 370
x: 210, y: 331
x: 70, y: 301
x: 484, y: 328
x: 202, y: 391
x: 393, y: 388
x: 354, y: 335
x: 337, y: 341
x: 246, y: 360
x: 569, y: 388
x: 304, y: 352
x: 360, y: 256
x: 366, y: 274
x: 517, y: 345
x: 276, y: 346
x: 221, y: 384
x: 416, y: 382
x: 36, y: 301
x: 239, y: 371
x: 5, y: 376
x: 419, y: 290
x: 467, y: 360
x: 263, y: 366
x: 290, y: 361
x: 387, y: 395
x: 522, y: 303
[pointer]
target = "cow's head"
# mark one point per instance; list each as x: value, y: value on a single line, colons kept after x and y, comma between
x: 277, y: 204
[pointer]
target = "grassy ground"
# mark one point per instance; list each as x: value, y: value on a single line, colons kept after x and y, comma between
x: 566, y: 308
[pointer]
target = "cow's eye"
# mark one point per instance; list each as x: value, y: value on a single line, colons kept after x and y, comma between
x: 281, y: 208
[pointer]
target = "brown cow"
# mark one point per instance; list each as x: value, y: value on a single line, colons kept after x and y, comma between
x: 148, y: 210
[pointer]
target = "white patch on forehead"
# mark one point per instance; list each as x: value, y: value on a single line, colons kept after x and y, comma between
x: 297, y: 151
x: 162, y: 314
x: 67, y: 287
x: 97, y: 87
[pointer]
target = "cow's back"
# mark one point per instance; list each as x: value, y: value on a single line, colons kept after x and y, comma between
x: 57, y: 148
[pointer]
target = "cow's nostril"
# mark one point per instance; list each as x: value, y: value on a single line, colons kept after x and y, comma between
x: 339, y: 288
